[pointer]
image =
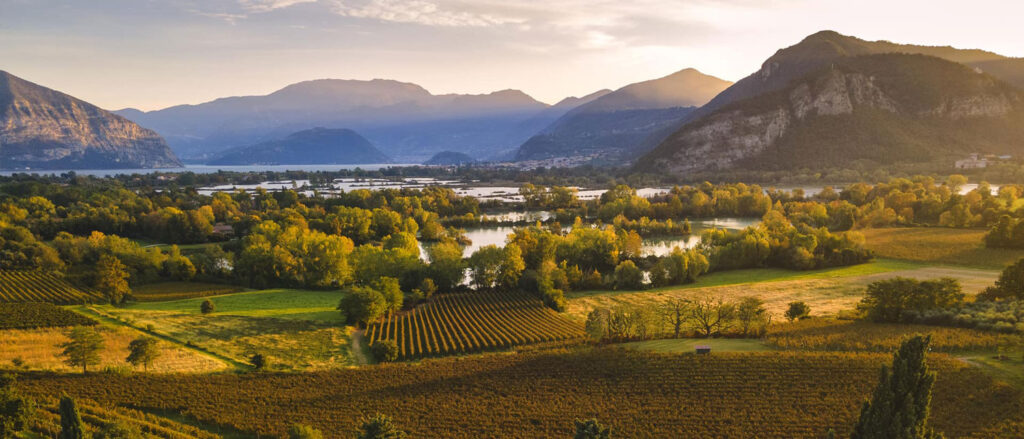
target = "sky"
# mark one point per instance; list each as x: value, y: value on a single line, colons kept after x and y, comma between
x: 151, y: 54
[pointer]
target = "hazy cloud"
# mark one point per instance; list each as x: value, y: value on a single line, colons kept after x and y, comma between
x: 422, y: 12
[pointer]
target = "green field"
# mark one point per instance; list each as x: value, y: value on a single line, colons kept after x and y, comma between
x: 682, y: 345
x: 758, y: 275
x: 963, y: 247
x: 276, y: 303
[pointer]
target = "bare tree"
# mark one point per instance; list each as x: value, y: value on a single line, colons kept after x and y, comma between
x: 676, y: 312
x: 712, y: 316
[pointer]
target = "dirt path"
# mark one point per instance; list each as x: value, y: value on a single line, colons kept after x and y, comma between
x: 356, y: 347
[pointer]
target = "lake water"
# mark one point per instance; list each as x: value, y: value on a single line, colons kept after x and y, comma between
x: 205, y: 169
x: 482, y: 236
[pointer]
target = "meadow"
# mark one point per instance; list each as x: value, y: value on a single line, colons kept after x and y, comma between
x: 39, y: 349
x: 964, y: 247
x: 828, y: 292
x: 276, y: 303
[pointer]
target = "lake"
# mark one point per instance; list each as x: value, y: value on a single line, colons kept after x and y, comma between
x: 656, y: 246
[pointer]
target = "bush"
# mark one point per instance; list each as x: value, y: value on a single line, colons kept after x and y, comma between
x: 384, y: 351
x: 893, y: 300
x: 798, y: 311
x: 207, y: 307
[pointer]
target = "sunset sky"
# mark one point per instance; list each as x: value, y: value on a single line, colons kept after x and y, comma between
x: 151, y: 54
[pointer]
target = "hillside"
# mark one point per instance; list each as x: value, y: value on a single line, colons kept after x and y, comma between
x: 404, y: 120
x: 619, y: 124
x: 317, y: 146
x: 447, y: 158
x: 880, y: 109
x: 41, y: 128
x: 820, y: 49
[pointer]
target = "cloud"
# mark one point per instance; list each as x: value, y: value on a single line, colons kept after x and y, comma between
x: 422, y: 12
x: 269, y: 5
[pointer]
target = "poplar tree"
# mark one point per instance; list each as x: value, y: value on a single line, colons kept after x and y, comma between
x: 901, y: 403
x: 70, y: 422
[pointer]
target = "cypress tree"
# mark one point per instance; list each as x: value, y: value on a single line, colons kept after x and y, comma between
x: 70, y: 423
x: 900, y: 405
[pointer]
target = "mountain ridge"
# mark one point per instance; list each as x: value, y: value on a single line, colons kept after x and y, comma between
x: 316, y: 146
x: 44, y: 128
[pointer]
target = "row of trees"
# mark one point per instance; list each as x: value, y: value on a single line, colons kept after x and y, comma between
x: 677, y: 317
x: 942, y: 302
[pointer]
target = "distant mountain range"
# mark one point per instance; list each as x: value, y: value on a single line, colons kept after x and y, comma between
x: 317, y: 146
x: 834, y: 99
x: 620, y: 124
x: 42, y: 128
x: 829, y: 100
x: 404, y: 120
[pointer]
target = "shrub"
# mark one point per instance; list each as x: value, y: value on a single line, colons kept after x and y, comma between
x: 385, y: 351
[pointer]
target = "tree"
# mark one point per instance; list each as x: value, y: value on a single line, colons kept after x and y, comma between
x: 676, y: 313
x: 300, y: 431
x: 388, y: 288
x: 385, y: 351
x: 628, y: 276
x: 591, y: 429
x: 379, y: 427
x: 751, y: 312
x: 144, y: 351
x: 111, y: 279
x: 258, y: 361
x: 207, y: 307
x: 83, y: 349
x: 15, y: 409
x: 363, y: 305
x: 597, y: 323
x: 446, y: 264
x: 70, y: 422
x: 900, y: 405
x: 893, y: 300
x: 712, y: 316
x: 1009, y: 286
x: 797, y: 311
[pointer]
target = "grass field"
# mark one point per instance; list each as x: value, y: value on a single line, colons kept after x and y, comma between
x: 688, y: 345
x: 962, y: 247
x: 294, y: 329
x: 827, y: 291
x: 277, y: 303
x: 38, y: 349
x: 165, y: 291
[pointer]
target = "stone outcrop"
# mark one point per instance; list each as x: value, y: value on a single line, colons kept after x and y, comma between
x: 42, y: 128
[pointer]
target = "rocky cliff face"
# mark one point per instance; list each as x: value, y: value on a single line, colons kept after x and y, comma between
x: 876, y: 107
x: 43, y: 128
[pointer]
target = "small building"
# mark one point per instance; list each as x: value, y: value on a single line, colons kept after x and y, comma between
x: 973, y: 161
x: 703, y: 349
x: 225, y: 230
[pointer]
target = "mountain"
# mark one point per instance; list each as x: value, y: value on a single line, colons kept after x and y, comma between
x: 449, y: 158
x: 877, y: 109
x: 317, y: 146
x: 404, y: 120
x: 618, y: 125
x: 820, y: 49
x: 42, y: 128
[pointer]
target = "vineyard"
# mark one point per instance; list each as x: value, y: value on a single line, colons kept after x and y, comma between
x: 164, y: 291
x: 840, y: 335
x: 39, y: 315
x: 36, y: 286
x: 472, y: 322
x: 47, y: 422
x: 538, y: 394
